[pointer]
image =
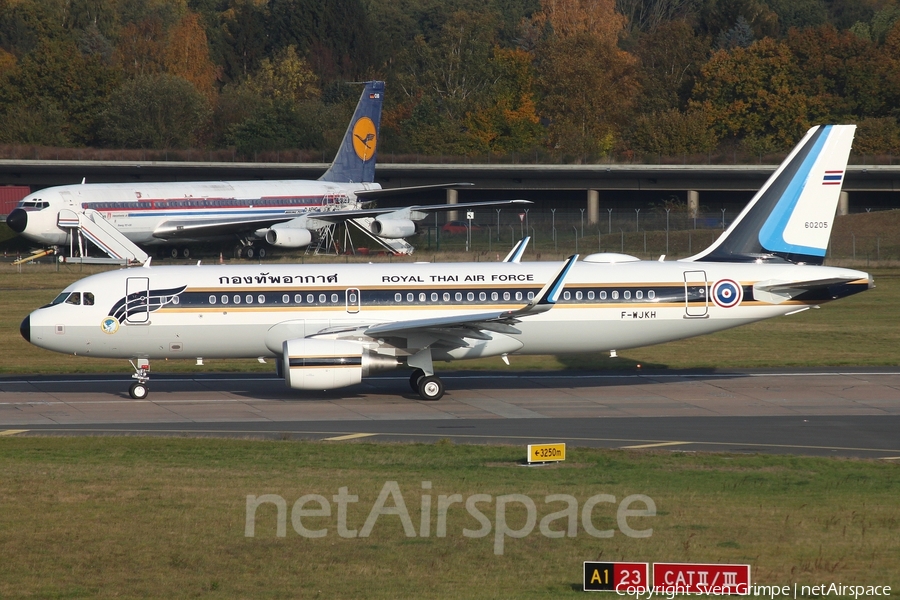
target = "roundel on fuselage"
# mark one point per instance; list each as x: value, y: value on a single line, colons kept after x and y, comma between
x: 727, y: 293
x: 365, y: 139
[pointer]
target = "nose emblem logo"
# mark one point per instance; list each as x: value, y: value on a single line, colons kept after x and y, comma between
x: 109, y: 325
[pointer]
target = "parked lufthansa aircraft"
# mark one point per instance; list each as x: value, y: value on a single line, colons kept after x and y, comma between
x: 331, y: 325
x: 283, y: 213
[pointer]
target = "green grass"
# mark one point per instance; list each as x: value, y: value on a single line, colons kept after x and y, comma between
x: 863, y: 330
x: 153, y: 517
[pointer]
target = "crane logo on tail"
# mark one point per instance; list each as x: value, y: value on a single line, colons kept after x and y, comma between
x: 364, y: 138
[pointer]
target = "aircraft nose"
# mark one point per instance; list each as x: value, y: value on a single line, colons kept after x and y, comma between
x: 25, y: 328
x: 17, y: 220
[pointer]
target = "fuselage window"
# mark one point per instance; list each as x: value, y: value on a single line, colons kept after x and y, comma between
x: 410, y: 297
x: 639, y: 294
x: 89, y: 299
x: 446, y: 296
x: 470, y: 296
x: 518, y: 295
x: 651, y: 294
x: 323, y: 299
x: 398, y: 297
x: 261, y: 299
x: 531, y: 295
x: 506, y: 295
x: 74, y: 298
x: 434, y: 297
x: 352, y: 298
x: 627, y: 294
x: 591, y: 295
x: 458, y: 296
x: 482, y: 296
x: 603, y: 295
x: 422, y: 297
x: 224, y: 299
x: 578, y: 295
x: 298, y: 298
x: 175, y: 299
x: 212, y: 299
x: 615, y: 294
x: 286, y: 299
x: 334, y: 298
x: 237, y: 299
x: 248, y: 299
x: 310, y: 298
x: 567, y: 295
x: 495, y: 296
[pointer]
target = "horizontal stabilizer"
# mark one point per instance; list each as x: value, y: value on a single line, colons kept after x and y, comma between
x: 777, y: 292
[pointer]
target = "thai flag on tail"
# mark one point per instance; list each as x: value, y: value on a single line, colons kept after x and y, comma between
x: 833, y: 178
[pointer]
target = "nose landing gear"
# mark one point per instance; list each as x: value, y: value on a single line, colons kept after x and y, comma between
x: 139, y: 389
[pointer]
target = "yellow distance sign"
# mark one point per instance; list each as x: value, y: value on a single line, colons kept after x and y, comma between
x: 364, y: 138
x: 546, y: 453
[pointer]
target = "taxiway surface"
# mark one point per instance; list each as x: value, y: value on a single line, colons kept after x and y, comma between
x: 826, y: 412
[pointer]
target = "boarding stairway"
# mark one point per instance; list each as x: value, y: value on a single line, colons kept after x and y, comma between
x: 91, y: 225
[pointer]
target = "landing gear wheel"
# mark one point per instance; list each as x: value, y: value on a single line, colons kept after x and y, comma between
x: 238, y: 251
x: 250, y: 252
x: 138, y: 390
x: 173, y: 253
x: 414, y: 379
x: 261, y: 252
x: 431, y: 388
x: 186, y: 252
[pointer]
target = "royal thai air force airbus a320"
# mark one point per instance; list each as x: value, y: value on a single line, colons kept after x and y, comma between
x: 284, y: 213
x: 328, y: 326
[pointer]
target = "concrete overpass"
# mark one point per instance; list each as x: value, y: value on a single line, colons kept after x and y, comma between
x: 571, y: 187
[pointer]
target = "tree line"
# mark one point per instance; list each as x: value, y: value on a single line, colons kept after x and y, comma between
x: 570, y: 80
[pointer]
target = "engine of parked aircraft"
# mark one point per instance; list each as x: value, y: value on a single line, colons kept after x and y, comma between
x: 323, y: 364
x: 393, y: 228
x: 288, y: 237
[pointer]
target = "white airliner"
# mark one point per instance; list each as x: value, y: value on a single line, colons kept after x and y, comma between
x: 283, y: 213
x: 331, y: 325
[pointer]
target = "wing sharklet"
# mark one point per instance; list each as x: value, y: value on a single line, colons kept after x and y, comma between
x: 515, y: 255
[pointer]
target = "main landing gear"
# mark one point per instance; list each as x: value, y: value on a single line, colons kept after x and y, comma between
x: 139, y: 389
x: 250, y: 251
x: 429, y: 387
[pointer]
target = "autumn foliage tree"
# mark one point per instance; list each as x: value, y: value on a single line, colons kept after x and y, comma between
x: 587, y: 83
x: 755, y: 94
x: 186, y: 55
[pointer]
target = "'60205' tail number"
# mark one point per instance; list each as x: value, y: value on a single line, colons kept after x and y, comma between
x: 817, y: 224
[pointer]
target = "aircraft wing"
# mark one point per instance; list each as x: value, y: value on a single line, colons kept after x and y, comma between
x: 174, y: 229
x: 498, y: 321
x: 409, y: 212
x: 391, y: 192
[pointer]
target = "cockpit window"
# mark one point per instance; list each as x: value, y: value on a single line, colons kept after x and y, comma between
x: 38, y: 204
x: 88, y: 299
x: 74, y: 298
x: 59, y: 299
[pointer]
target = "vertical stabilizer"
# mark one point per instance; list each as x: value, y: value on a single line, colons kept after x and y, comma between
x: 792, y: 216
x: 355, y: 160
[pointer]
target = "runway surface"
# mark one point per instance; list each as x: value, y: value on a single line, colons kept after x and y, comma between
x: 824, y: 412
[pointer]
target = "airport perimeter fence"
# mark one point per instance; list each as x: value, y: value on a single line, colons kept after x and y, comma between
x: 645, y: 234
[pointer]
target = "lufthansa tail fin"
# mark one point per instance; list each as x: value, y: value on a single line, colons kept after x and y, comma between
x: 790, y: 219
x: 355, y: 160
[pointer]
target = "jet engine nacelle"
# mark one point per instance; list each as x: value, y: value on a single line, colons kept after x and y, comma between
x: 288, y: 237
x: 393, y: 228
x: 322, y: 364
